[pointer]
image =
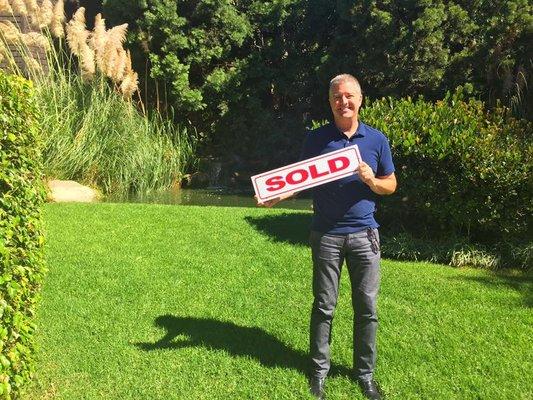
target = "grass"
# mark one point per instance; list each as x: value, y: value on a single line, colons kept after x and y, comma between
x: 93, y: 132
x: 183, y: 302
x: 95, y: 137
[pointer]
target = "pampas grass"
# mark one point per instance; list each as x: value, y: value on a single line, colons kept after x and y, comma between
x: 58, y: 18
x: 97, y: 138
x: 19, y: 7
x: 36, y: 39
x: 99, y: 52
x: 98, y: 40
x: 111, y: 50
x: 77, y: 35
x: 88, y: 68
x: 5, y: 7
x: 32, y: 6
x: 46, y: 15
x: 92, y: 134
x: 9, y: 32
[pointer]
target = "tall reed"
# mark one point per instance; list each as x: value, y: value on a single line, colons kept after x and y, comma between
x: 95, y: 133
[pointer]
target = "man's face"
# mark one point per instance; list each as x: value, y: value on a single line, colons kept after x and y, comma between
x: 345, y: 100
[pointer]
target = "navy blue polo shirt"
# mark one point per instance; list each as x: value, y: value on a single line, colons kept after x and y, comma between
x: 347, y: 205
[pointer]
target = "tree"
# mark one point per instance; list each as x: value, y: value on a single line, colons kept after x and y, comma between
x: 251, y: 74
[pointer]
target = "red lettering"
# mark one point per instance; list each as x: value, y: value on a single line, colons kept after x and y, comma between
x: 298, y: 176
x: 275, y: 183
x: 335, y: 167
x: 315, y: 174
x: 303, y: 176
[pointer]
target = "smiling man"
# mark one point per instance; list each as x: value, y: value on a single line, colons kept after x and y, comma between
x: 344, y: 228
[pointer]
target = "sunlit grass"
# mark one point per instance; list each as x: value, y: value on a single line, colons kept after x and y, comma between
x: 183, y: 302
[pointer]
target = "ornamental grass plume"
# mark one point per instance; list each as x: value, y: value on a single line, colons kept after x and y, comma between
x: 119, y: 67
x: 98, y: 40
x: 19, y: 7
x: 76, y: 33
x: 129, y: 85
x: 33, y: 12
x: 58, y: 18
x: 115, y: 37
x: 129, y: 67
x: 9, y: 32
x: 5, y: 8
x: 88, y: 68
x: 36, y: 39
x: 32, y: 6
x: 33, y: 65
x: 47, y: 14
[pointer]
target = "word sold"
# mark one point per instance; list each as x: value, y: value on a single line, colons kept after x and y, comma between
x: 307, y: 173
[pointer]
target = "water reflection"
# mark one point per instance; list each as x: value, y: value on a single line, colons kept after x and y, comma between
x: 209, y: 197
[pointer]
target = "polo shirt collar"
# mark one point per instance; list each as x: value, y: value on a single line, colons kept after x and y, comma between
x: 360, y: 132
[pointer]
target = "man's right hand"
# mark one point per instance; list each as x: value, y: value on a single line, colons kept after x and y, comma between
x: 274, y: 201
x: 268, y: 203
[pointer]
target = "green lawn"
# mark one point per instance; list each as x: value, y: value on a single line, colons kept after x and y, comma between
x: 182, y: 302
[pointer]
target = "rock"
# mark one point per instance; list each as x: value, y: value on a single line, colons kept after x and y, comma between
x: 70, y: 191
x: 197, y: 180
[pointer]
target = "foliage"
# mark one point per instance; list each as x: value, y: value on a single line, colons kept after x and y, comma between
x: 94, y: 133
x: 97, y: 138
x: 461, y: 168
x: 250, y: 74
x: 21, y: 240
x: 455, y: 251
x: 430, y: 47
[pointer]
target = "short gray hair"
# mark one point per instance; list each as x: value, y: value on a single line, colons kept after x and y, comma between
x: 337, y: 80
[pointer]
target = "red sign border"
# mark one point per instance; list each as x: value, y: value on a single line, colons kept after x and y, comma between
x: 315, y: 183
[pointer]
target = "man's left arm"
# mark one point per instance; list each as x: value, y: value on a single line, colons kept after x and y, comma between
x: 378, y: 184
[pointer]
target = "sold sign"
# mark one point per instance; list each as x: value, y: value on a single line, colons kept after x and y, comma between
x: 307, y: 173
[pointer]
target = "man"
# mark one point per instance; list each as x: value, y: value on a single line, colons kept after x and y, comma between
x: 344, y: 228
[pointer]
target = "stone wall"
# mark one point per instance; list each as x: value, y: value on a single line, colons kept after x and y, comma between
x: 36, y: 52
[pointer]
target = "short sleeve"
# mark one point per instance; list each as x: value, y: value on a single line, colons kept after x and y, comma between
x: 385, y: 164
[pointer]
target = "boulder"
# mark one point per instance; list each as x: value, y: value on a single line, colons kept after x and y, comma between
x: 70, y: 191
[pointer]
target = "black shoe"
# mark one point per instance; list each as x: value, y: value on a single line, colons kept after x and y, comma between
x: 316, y: 387
x: 370, y: 389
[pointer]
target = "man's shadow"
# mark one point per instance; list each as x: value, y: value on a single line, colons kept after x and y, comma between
x: 290, y: 228
x: 237, y: 340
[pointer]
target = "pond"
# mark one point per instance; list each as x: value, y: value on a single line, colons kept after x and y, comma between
x: 210, y: 197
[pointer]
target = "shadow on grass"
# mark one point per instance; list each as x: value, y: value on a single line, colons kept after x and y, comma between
x: 523, y: 284
x: 290, y: 228
x: 237, y: 340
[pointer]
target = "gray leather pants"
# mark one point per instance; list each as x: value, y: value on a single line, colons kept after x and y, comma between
x: 362, y: 255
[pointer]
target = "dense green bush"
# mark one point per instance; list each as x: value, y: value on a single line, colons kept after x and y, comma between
x: 21, y: 240
x: 249, y: 74
x: 461, y: 169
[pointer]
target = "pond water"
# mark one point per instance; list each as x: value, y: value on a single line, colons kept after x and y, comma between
x: 210, y: 197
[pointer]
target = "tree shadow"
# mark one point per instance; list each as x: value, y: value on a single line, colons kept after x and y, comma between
x: 523, y: 283
x: 292, y: 228
x: 239, y: 341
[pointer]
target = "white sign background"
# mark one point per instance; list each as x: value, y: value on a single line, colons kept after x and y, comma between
x: 307, y: 173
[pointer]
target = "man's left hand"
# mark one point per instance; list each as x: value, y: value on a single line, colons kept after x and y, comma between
x: 365, y: 173
x: 380, y: 184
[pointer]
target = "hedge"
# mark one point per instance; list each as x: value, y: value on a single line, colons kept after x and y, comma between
x: 21, y: 239
x: 462, y: 169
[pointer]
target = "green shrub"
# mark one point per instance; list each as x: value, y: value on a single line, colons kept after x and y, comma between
x: 462, y: 170
x: 21, y: 240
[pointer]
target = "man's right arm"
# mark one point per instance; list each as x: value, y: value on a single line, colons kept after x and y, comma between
x: 275, y: 200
